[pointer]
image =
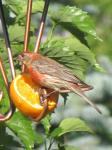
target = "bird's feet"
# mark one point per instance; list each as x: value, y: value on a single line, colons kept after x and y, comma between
x: 44, y: 95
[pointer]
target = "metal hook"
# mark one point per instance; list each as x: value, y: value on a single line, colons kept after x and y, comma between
x: 26, y: 39
x: 12, y: 108
x: 41, y: 28
x: 37, y: 46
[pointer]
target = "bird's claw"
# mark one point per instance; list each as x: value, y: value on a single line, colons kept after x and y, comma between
x: 43, y: 102
x: 42, y: 94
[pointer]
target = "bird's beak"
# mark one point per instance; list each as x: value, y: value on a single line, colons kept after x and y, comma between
x: 20, y: 58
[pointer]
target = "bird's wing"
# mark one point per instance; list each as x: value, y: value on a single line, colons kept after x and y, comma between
x: 50, y: 67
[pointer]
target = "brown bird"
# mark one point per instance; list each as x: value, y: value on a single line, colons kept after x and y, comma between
x: 50, y: 74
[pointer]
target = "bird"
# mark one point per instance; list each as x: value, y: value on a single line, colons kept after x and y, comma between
x: 50, y: 74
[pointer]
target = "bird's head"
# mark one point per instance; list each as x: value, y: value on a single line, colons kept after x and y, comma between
x: 26, y: 58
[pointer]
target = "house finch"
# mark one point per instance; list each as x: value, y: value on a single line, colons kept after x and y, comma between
x: 50, y: 74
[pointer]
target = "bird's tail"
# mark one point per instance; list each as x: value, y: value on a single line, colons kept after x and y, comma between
x: 78, y: 91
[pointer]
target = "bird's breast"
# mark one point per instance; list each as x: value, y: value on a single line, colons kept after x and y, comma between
x: 36, y: 76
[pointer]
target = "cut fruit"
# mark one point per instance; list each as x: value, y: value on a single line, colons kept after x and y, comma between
x: 25, y: 96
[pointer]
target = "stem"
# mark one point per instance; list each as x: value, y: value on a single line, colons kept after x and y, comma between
x: 27, y: 29
x: 51, y: 32
x: 45, y: 145
x: 7, y: 40
x: 42, y: 24
x: 51, y: 143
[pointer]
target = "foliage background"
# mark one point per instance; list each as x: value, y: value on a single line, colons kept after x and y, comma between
x: 100, y: 12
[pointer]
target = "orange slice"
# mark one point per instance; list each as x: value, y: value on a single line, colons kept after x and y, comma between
x: 25, y: 96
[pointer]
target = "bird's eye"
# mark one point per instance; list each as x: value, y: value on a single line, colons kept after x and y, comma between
x: 22, y: 55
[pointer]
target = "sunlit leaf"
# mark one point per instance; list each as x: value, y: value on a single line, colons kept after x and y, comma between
x: 73, y: 18
x: 70, y: 125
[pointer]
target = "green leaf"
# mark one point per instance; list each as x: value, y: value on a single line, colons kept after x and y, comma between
x: 70, y: 125
x: 73, y: 18
x: 70, y: 52
x: 22, y: 127
x: 16, y: 33
x: 37, y: 6
x: 100, y: 68
x: 16, y: 6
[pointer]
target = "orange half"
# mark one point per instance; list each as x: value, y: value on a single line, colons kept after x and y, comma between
x: 25, y: 96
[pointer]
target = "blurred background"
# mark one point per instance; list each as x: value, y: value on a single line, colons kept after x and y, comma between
x: 101, y: 12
